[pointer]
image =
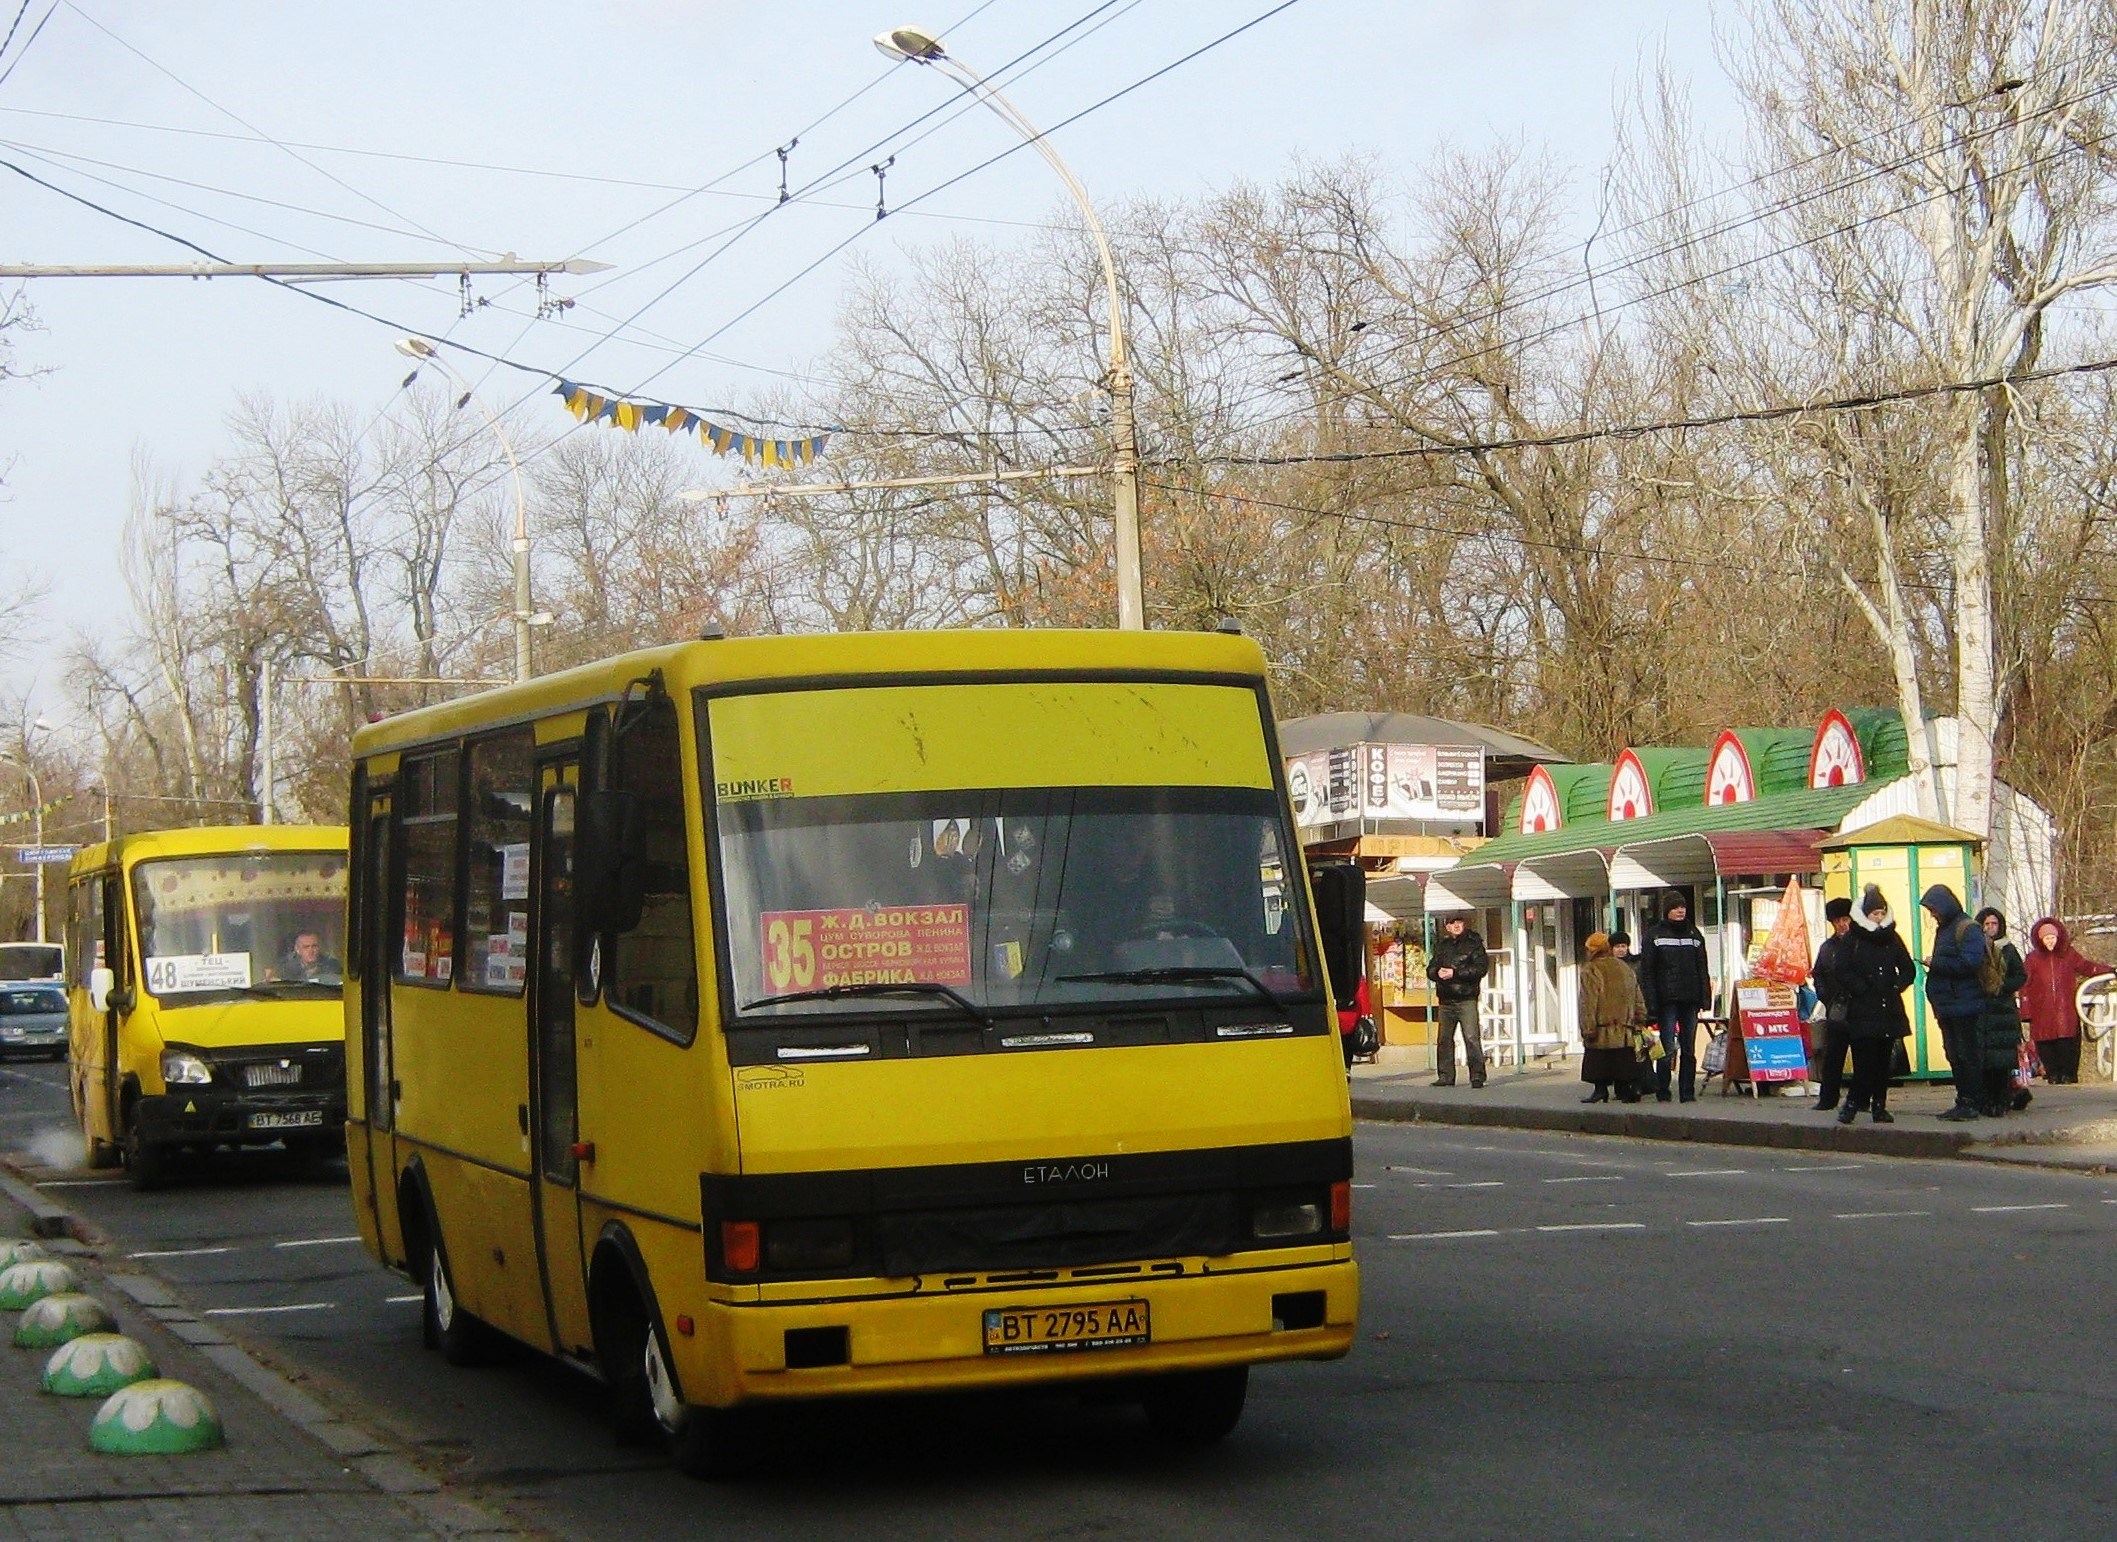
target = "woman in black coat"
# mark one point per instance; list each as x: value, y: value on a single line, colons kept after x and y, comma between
x: 1874, y: 972
x: 2000, y: 1030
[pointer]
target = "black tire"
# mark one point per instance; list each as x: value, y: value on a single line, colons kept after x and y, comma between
x: 148, y: 1166
x: 449, y: 1326
x: 1197, y: 1408
x: 648, y: 1407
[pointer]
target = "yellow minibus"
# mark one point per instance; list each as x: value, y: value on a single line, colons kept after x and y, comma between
x: 203, y: 997
x: 756, y: 1020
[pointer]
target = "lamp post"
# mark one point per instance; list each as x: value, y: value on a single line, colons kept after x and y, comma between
x: 909, y: 43
x: 36, y: 799
x: 419, y: 348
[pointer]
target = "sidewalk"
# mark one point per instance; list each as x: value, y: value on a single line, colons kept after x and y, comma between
x: 290, y: 1467
x: 2064, y: 1127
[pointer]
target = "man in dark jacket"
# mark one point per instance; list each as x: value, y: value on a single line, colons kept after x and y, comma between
x: 1875, y: 969
x: 1457, y: 969
x: 1957, y: 995
x: 1678, y: 984
x: 1832, y: 987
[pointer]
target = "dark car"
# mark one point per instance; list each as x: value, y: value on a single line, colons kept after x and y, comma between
x: 33, y: 1020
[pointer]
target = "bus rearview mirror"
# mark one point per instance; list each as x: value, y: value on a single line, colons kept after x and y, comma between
x: 100, y: 984
x: 1341, y: 923
x: 611, y: 865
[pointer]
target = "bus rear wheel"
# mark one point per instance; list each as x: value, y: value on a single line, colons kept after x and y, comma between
x: 1197, y: 1408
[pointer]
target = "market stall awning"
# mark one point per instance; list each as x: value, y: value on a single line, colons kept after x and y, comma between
x: 1566, y: 875
x: 1807, y: 810
x: 1480, y: 886
x: 1395, y: 897
x: 1687, y: 859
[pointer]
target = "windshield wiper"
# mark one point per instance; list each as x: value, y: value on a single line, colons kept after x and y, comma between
x: 876, y: 988
x: 1179, y: 974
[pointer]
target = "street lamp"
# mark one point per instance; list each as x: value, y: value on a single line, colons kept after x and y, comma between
x: 36, y: 799
x: 419, y: 348
x: 909, y: 43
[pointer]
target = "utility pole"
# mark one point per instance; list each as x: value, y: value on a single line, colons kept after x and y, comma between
x: 264, y: 732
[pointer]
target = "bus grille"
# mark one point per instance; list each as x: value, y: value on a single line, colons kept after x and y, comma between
x: 283, y: 1073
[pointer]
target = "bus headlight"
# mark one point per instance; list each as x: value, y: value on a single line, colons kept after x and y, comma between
x: 182, y: 1068
x: 808, y: 1246
x: 1281, y: 1217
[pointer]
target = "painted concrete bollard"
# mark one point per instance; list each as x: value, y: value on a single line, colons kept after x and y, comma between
x: 19, y: 1250
x: 156, y: 1418
x: 56, y: 1319
x: 96, y: 1365
x: 25, y: 1284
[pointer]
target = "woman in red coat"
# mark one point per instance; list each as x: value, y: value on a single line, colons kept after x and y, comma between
x: 2047, y: 1001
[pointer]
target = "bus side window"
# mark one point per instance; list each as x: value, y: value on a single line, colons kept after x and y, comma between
x: 652, y: 969
x: 426, y: 811
x: 496, y: 901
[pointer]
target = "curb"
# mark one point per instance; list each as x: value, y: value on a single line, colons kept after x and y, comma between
x: 46, y: 1219
x: 350, y: 1444
x: 1867, y: 1140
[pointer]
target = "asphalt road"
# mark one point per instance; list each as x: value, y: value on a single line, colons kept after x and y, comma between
x: 1560, y: 1337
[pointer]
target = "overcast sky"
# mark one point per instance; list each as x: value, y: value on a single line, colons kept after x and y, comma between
x: 409, y: 132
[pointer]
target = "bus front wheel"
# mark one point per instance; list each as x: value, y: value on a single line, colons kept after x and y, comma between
x: 711, y: 1443
x: 461, y: 1338
x: 146, y: 1164
x: 1197, y: 1408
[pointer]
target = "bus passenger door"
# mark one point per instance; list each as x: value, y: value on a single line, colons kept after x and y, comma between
x: 374, y: 1163
x: 553, y: 1065
x: 117, y: 953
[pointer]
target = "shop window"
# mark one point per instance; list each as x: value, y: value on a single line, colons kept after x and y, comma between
x: 427, y: 806
x: 496, y: 895
x: 653, y: 968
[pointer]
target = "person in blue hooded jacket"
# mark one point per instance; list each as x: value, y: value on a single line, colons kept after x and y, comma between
x: 1957, y: 995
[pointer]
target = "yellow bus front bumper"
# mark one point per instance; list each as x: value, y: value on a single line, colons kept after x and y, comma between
x: 936, y: 1342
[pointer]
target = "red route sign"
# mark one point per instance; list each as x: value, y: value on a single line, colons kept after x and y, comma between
x: 886, y: 945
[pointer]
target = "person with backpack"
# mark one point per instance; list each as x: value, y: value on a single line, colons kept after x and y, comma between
x: 1962, y: 973
x: 2000, y: 1029
x: 1874, y: 969
x: 1678, y: 985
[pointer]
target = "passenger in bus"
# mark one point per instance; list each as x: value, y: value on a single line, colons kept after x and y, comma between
x: 306, y: 960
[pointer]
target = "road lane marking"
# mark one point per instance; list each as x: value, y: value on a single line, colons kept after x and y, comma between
x: 1598, y: 1226
x: 1711, y: 1172
x: 1487, y: 1183
x: 1834, y: 1167
x: 180, y: 1253
x: 262, y: 1311
x: 1436, y: 1236
x: 400, y: 1300
x: 1363, y: 1185
x: 1423, y: 1172
x: 314, y: 1242
x: 81, y: 1183
x: 2008, y: 1209
x: 1753, y: 1220
x: 1595, y: 1178
x: 1875, y: 1215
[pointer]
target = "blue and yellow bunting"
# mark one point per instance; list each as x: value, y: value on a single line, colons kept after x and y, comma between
x: 589, y: 406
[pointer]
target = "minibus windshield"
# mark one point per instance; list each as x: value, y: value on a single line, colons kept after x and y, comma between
x: 1013, y: 898
x: 257, y: 923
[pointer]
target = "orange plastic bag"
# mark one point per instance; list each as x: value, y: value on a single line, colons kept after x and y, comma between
x: 1787, y: 955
